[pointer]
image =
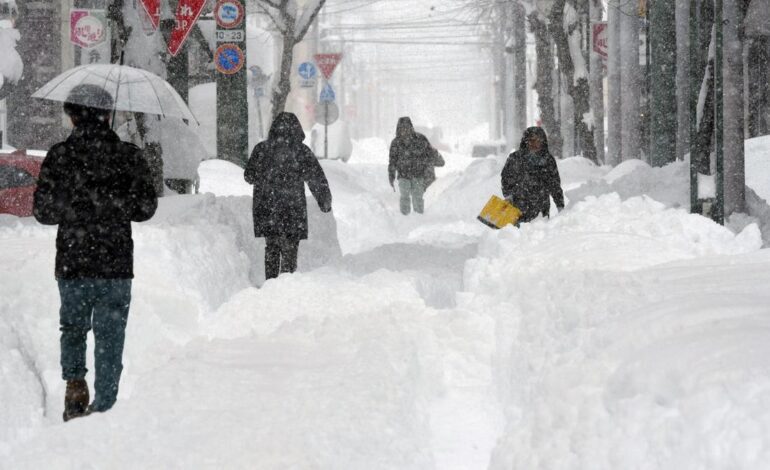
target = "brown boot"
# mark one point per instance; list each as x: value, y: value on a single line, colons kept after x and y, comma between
x: 75, y: 399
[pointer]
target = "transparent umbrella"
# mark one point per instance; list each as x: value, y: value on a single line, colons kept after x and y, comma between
x: 132, y: 89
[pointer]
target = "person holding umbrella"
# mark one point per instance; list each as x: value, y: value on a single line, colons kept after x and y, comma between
x: 93, y: 186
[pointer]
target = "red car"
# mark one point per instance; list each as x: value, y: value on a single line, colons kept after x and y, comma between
x: 18, y: 179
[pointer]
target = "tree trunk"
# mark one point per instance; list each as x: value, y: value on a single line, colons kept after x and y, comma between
x: 120, y: 32
x: 577, y: 88
x: 283, y: 87
x: 614, y: 115
x: 701, y: 157
x: 544, y: 83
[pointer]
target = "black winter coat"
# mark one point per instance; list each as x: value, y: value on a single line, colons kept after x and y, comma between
x: 279, y: 168
x: 93, y: 186
x: 411, y: 155
x: 529, y: 179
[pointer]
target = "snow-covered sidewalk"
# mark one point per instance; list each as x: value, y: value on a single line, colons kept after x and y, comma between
x: 621, y: 333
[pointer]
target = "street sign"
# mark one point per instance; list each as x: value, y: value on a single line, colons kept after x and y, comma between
x: 228, y: 13
x: 187, y: 13
x: 229, y: 59
x: 88, y: 28
x: 152, y: 8
x: 307, y: 72
x: 326, y: 113
x: 258, y: 77
x: 230, y: 35
x: 599, y: 38
x: 327, y: 63
x: 327, y: 94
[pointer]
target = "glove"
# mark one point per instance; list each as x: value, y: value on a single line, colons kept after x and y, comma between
x: 391, y: 184
x: 325, y: 207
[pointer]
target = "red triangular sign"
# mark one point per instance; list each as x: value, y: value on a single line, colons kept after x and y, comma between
x: 187, y: 13
x: 152, y: 7
x: 327, y: 63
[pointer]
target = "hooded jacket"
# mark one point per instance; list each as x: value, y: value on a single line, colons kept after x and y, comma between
x: 93, y: 186
x: 528, y: 179
x: 411, y: 155
x: 278, y: 168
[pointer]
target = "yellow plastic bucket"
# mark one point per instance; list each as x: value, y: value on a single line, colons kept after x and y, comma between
x: 498, y: 213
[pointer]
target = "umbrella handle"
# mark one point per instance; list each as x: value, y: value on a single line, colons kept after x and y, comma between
x: 115, y: 101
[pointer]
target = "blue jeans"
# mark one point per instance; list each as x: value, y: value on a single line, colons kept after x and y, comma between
x: 412, y: 191
x: 101, y: 304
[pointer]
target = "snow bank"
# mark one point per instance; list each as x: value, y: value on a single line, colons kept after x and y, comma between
x: 193, y: 255
x: 669, y: 184
x: 757, y: 152
x: 620, y: 337
x: 11, y: 67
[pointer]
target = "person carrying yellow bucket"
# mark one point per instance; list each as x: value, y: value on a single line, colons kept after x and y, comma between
x: 529, y: 179
x: 530, y: 176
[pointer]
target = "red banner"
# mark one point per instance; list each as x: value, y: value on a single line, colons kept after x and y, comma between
x: 187, y: 13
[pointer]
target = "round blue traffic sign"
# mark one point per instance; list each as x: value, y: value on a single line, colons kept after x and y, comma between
x: 307, y: 70
x: 229, y: 59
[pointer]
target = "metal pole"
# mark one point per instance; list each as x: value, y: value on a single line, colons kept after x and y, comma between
x: 718, y: 213
x: 326, y: 129
x: 259, y: 116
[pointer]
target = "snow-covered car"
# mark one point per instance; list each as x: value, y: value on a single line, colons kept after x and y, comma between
x: 340, y: 145
x: 18, y: 179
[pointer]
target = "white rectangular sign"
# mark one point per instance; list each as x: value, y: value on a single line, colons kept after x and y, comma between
x: 230, y: 35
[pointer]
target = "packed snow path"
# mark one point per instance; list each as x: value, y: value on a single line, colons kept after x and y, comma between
x: 619, y: 334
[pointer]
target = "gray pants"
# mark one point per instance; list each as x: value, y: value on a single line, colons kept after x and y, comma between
x: 412, y: 191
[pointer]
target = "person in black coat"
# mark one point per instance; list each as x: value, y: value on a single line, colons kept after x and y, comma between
x: 412, y: 159
x: 93, y: 186
x: 530, y: 176
x: 278, y: 168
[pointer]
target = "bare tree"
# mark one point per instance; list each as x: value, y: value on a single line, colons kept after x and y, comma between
x: 565, y: 29
x: 544, y: 82
x: 293, y: 25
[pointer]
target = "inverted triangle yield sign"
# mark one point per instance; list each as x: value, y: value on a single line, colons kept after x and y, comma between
x: 327, y: 63
x: 152, y: 7
x: 187, y: 13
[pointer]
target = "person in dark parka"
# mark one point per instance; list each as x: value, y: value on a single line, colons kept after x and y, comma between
x: 412, y: 159
x: 93, y: 186
x: 278, y: 168
x: 530, y: 176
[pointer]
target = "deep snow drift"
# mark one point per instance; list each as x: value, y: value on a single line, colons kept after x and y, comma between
x: 621, y: 333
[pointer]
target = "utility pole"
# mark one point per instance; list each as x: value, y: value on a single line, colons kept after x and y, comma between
x: 614, y: 116
x: 683, y: 136
x: 630, y: 82
x: 734, y: 176
x: 718, y: 212
x: 177, y: 73
x: 596, y: 70
x: 519, y: 69
x: 232, y: 89
x: 663, y: 96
